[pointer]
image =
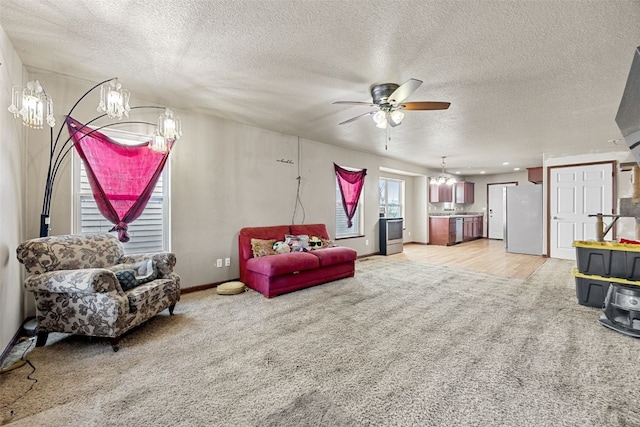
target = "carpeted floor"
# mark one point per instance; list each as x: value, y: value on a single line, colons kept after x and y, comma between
x: 402, y: 343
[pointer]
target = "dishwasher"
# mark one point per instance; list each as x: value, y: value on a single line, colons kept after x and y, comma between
x: 459, y: 229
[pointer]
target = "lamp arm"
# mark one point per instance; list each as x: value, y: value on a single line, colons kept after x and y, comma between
x: 74, y: 107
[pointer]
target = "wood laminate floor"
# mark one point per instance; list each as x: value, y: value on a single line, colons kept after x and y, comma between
x: 482, y: 255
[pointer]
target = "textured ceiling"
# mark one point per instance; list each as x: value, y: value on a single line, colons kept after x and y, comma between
x: 523, y: 77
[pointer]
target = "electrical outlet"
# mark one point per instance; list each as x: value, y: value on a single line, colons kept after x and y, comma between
x: 366, y: 242
x: 219, y: 262
x: 227, y: 262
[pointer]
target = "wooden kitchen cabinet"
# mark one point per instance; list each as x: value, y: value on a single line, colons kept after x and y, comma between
x: 478, y: 227
x: 440, y: 193
x: 442, y: 230
x: 464, y: 192
x: 472, y: 228
x: 535, y: 175
x: 467, y: 229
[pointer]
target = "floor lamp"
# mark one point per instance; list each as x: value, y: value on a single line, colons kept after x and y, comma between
x: 35, y: 108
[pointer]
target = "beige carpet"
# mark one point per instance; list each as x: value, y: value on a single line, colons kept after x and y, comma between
x: 402, y: 343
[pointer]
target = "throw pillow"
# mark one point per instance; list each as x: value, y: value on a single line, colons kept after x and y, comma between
x: 328, y: 243
x: 262, y: 247
x: 143, y: 271
x: 146, y: 271
x: 127, y: 279
x: 299, y: 243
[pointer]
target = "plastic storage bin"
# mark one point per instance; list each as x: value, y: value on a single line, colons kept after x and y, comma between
x: 608, y: 259
x: 591, y: 290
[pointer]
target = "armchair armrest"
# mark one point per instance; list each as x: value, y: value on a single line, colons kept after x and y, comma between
x: 85, y: 282
x: 165, y: 261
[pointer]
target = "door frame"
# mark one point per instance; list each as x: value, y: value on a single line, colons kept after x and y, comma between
x: 488, y: 207
x: 614, y: 194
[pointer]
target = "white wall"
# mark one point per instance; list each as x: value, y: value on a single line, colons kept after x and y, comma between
x: 11, y: 202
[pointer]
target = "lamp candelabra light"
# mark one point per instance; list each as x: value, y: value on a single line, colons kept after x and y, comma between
x: 35, y: 108
x: 443, y: 179
x: 114, y: 100
x: 32, y: 104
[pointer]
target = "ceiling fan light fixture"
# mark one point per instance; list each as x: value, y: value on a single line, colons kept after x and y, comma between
x: 379, y: 117
x: 397, y: 116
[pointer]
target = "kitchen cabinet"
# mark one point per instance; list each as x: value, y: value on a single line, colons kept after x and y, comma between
x: 535, y: 175
x: 464, y: 192
x: 472, y: 228
x: 440, y: 193
x: 442, y: 230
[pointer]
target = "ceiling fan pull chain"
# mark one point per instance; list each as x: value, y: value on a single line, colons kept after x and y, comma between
x: 388, y: 137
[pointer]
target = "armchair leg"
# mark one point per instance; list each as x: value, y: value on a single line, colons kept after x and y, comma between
x: 42, y: 338
x: 171, y: 307
x: 114, y: 343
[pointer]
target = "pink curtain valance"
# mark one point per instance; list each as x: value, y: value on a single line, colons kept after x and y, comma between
x: 122, y: 177
x: 350, y: 183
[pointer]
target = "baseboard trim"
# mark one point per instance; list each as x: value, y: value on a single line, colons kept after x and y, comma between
x: 204, y: 287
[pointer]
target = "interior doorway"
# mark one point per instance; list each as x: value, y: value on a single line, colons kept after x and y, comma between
x: 575, y: 192
x: 495, y: 209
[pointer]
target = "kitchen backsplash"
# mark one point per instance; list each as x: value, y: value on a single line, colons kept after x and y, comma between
x: 448, y: 208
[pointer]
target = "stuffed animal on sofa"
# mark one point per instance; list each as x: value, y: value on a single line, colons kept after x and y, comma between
x: 315, y: 243
x: 281, y: 247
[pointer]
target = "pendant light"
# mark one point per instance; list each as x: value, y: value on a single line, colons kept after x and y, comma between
x: 443, y: 179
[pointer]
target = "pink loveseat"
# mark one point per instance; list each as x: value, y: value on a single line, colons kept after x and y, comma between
x: 273, y: 275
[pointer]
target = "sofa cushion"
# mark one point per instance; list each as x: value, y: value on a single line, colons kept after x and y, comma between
x: 151, y: 295
x: 319, y: 230
x: 337, y: 255
x: 246, y: 234
x: 278, y: 265
x: 262, y: 247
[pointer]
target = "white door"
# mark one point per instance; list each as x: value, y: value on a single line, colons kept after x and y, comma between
x: 575, y: 193
x: 495, y: 209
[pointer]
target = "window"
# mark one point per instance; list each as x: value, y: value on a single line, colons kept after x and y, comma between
x: 150, y: 232
x: 391, y: 198
x: 342, y: 231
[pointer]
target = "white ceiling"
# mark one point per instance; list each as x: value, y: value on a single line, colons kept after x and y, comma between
x: 523, y: 77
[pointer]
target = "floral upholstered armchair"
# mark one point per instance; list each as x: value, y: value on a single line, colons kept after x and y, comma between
x: 85, y: 285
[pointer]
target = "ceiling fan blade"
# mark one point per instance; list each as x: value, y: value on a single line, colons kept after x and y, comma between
x: 369, y: 104
x: 357, y: 117
x: 424, y: 105
x: 403, y: 91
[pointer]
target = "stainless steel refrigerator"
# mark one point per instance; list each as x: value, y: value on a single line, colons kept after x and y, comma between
x: 523, y: 219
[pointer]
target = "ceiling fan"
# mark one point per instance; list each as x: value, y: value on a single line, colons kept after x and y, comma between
x: 388, y: 98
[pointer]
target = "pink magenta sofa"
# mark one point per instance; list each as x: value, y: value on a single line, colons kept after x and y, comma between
x: 274, y: 275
